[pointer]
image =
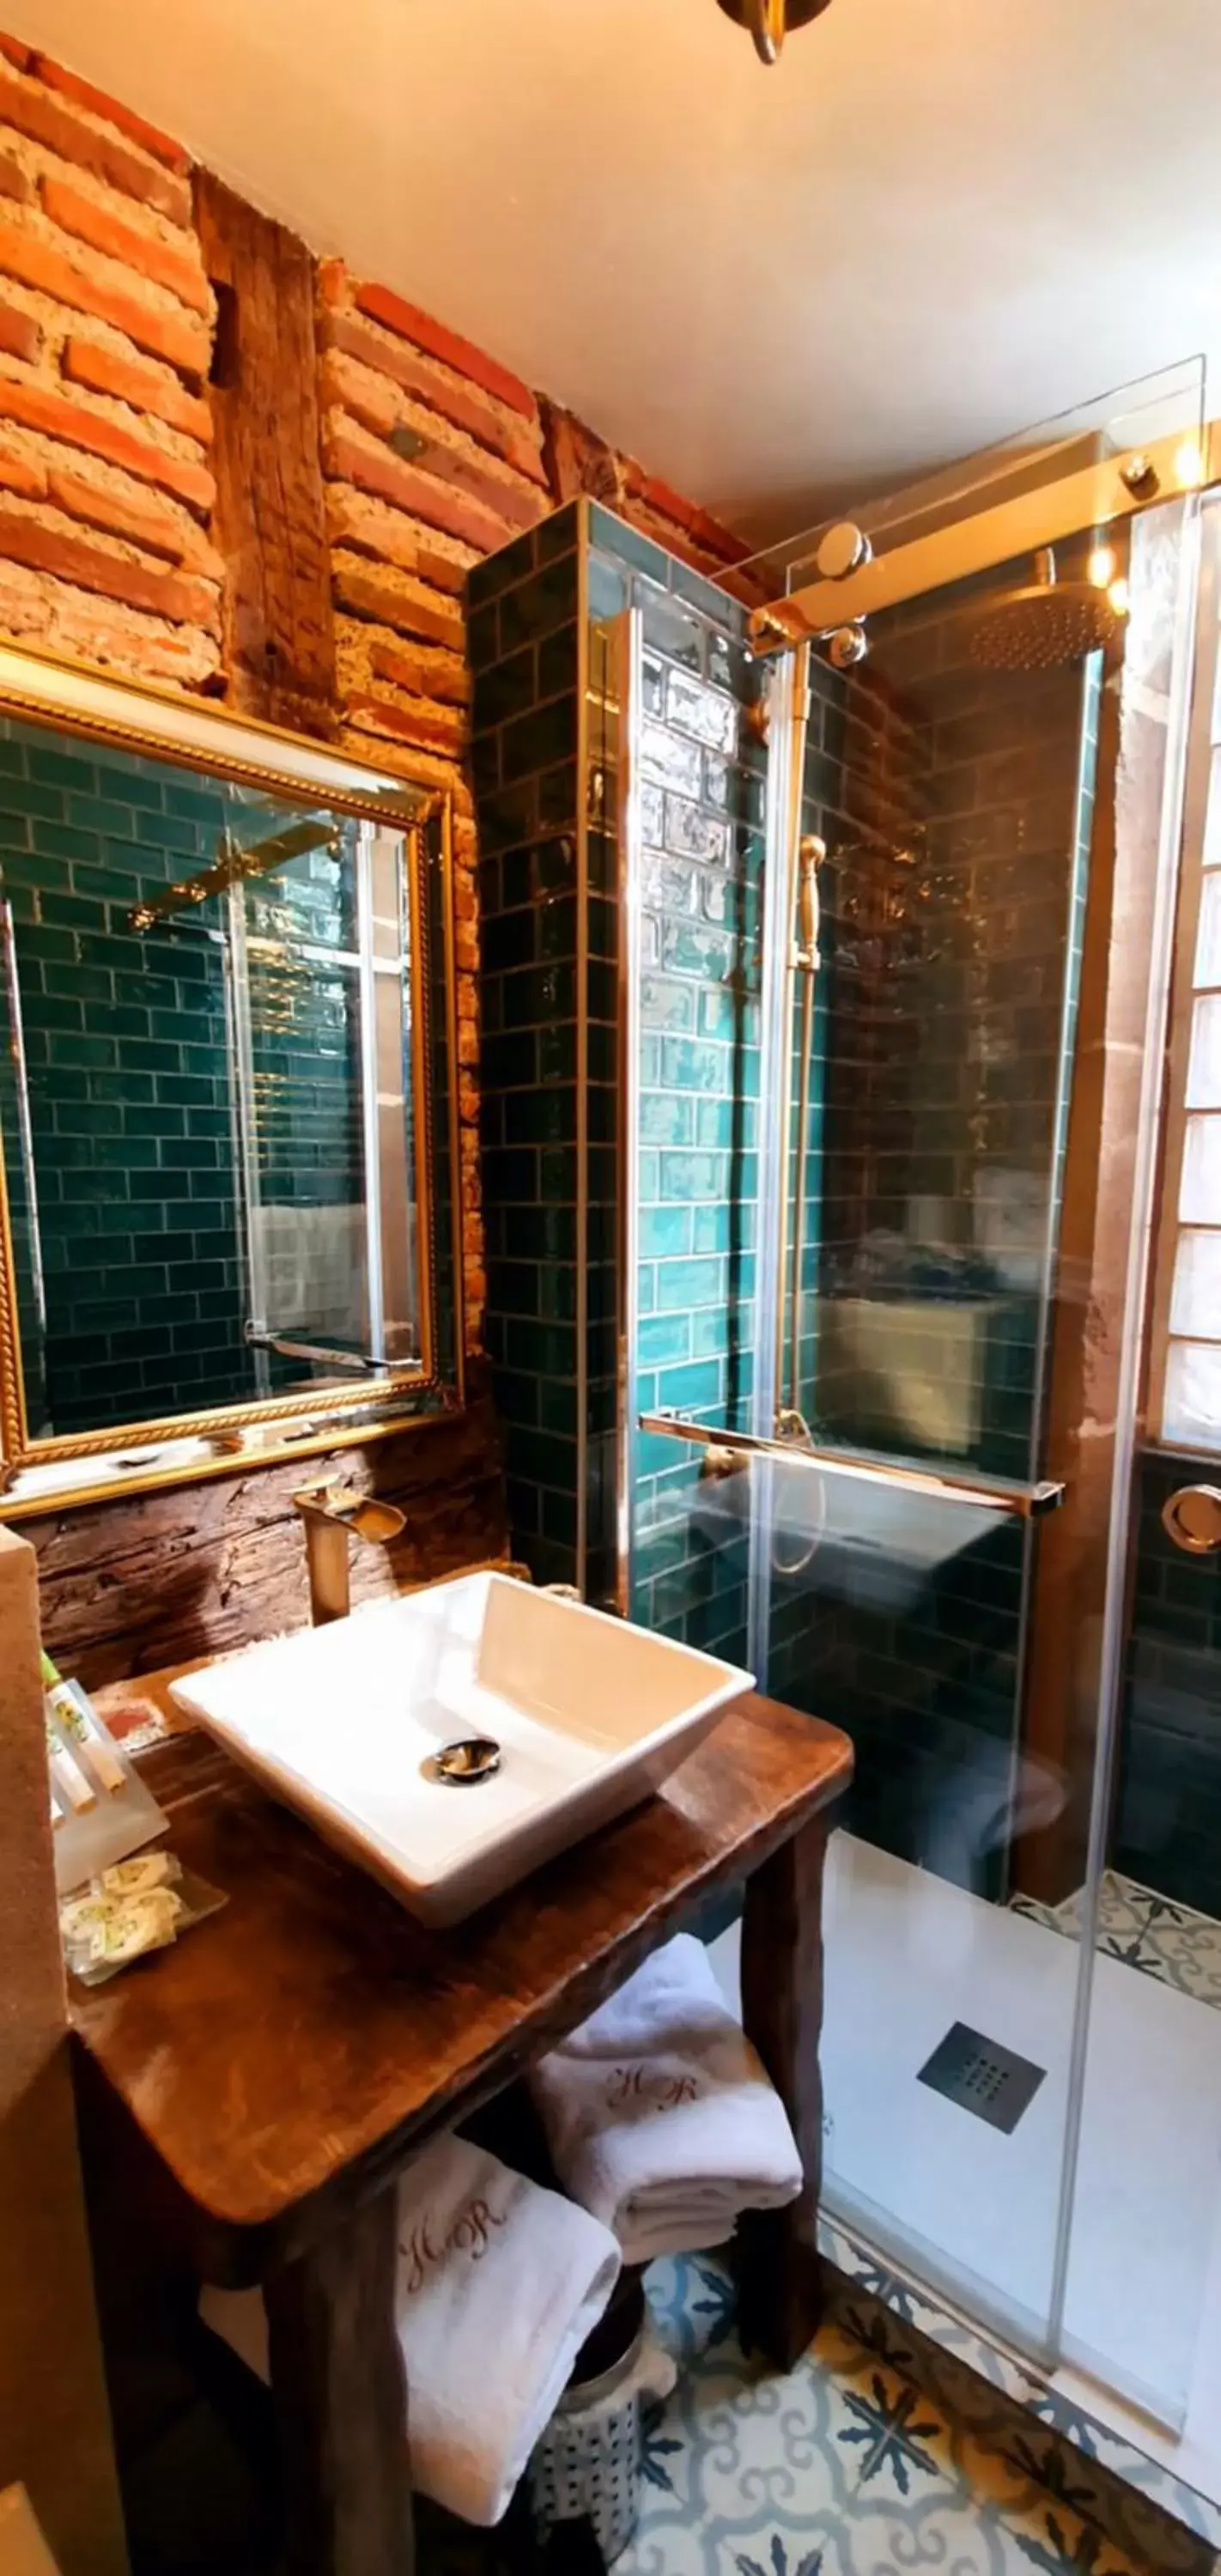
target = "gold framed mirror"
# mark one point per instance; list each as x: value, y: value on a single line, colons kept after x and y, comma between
x: 229, y: 1227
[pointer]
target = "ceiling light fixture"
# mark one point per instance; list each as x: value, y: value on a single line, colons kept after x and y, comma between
x: 770, y: 21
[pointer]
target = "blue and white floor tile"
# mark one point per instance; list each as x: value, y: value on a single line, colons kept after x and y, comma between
x: 1172, y: 1943
x: 846, y: 2467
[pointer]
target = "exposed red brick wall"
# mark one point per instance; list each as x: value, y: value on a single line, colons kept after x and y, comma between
x: 434, y: 454
x: 106, y: 321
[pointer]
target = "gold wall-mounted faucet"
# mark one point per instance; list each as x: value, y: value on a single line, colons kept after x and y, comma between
x: 332, y: 1518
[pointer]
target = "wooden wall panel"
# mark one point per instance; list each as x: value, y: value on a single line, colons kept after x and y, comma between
x: 270, y: 523
x: 128, y: 1587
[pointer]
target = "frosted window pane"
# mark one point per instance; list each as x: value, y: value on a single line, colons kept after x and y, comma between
x: 1212, y: 819
x: 1195, y: 1301
x: 1208, y: 945
x: 1192, y: 1410
x: 1200, y: 1194
x: 1204, y: 1070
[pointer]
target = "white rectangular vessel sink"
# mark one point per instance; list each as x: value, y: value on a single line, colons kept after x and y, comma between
x: 346, y: 1722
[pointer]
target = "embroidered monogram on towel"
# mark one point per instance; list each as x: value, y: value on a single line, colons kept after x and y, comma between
x: 640, y: 2084
x: 470, y: 2233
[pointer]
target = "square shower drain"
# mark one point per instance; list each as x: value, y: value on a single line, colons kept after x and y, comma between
x: 982, y: 2076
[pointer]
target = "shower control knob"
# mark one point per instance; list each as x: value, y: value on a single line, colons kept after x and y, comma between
x: 1192, y: 1518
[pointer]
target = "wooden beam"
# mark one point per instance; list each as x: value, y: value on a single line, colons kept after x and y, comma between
x: 270, y: 523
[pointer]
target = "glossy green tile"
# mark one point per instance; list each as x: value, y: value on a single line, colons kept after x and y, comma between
x: 625, y: 544
x: 664, y: 1231
x: 687, y: 1283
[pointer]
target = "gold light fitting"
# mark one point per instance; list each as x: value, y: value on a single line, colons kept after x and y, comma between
x: 769, y: 21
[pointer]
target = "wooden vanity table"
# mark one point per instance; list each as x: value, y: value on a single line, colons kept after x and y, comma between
x: 273, y: 2072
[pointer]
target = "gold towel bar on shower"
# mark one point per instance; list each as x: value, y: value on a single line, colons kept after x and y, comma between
x: 1022, y: 1502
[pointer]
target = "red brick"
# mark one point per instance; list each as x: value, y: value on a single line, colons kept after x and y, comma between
x: 669, y: 504
x: 151, y: 257
x: 458, y: 403
x: 149, y: 137
x: 14, y: 181
x: 408, y: 547
x: 15, y: 52
x: 423, y: 675
x: 89, y: 362
x: 366, y: 596
x: 438, y: 504
x: 522, y: 509
x: 177, y: 337
x: 34, y: 111
x: 462, y: 355
x: 143, y: 520
x: 182, y: 599
x: 20, y: 334
x: 370, y: 401
x: 23, y: 474
x: 36, y: 407
x: 437, y: 728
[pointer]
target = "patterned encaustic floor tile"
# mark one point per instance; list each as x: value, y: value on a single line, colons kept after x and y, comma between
x: 1143, y: 1930
x: 846, y: 2467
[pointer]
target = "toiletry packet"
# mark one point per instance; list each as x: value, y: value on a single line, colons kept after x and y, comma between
x: 139, y: 1905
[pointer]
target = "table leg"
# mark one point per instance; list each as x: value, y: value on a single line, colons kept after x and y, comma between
x: 779, y: 2273
x: 338, y: 2389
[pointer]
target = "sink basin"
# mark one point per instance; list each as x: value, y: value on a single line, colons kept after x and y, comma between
x: 345, y: 1724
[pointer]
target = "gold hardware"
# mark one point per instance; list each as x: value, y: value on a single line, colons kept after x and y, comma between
x: 330, y: 1516
x: 1093, y: 496
x: 841, y: 549
x: 848, y: 646
x: 233, y: 863
x: 719, y: 1462
x: 769, y: 21
x: 811, y: 851
x: 1021, y: 1502
x: 1140, y: 476
x: 757, y: 719
x: 1192, y: 1518
x: 67, y: 697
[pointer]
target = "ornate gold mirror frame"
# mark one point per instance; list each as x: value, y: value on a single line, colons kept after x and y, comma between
x: 52, y: 1472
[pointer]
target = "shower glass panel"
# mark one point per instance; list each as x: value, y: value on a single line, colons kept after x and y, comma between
x: 942, y: 1528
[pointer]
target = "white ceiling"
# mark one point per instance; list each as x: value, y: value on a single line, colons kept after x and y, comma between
x: 934, y: 222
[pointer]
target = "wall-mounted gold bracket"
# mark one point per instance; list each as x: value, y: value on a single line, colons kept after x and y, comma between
x: 1096, y: 494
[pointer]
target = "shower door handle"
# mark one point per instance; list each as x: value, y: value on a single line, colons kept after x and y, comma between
x: 1192, y: 1518
x: 1021, y: 1502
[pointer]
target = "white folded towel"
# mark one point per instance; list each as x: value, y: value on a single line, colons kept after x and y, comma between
x: 659, y: 2116
x: 498, y: 2284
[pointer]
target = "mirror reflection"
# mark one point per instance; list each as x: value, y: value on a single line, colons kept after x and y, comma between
x: 208, y: 1114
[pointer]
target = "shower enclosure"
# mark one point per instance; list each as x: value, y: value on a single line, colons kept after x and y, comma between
x: 921, y: 1337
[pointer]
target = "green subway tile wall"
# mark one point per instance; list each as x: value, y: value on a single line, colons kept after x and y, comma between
x: 525, y: 648
x: 702, y: 794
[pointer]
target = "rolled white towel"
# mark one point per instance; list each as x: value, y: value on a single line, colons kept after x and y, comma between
x: 659, y: 2116
x: 497, y: 2285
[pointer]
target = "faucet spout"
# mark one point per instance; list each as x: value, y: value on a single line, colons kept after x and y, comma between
x: 330, y: 1518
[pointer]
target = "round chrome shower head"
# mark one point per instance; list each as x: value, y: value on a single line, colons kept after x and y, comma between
x: 1044, y: 624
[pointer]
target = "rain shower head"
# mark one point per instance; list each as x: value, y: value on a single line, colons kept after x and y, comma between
x: 1044, y: 624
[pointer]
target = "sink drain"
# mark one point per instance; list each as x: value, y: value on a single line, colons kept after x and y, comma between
x: 464, y: 1763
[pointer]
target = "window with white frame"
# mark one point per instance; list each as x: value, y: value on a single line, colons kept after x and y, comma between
x: 1190, y: 1359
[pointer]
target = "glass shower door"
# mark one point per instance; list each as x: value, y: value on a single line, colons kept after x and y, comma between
x: 919, y: 1508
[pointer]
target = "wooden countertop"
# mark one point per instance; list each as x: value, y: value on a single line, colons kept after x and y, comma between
x: 286, y: 2055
